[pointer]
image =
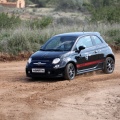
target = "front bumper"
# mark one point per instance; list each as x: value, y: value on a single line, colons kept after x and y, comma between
x: 49, y: 72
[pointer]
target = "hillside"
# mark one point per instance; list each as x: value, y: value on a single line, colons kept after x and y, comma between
x: 23, y: 31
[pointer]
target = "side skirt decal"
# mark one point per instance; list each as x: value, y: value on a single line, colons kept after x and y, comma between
x: 89, y: 63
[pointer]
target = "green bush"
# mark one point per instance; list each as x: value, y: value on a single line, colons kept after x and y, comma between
x: 113, y: 37
x: 104, y: 10
x: 41, y: 3
x: 45, y: 21
x: 28, y: 2
x: 113, y: 32
x: 110, y: 14
x: 67, y: 21
x: 7, y: 21
x: 21, y: 40
x: 69, y: 4
x: 40, y: 23
x: 101, y: 3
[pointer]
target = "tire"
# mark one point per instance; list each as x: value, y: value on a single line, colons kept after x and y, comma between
x: 69, y: 72
x: 109, y: 65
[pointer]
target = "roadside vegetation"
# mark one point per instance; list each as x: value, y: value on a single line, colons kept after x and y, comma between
x: 27, y: 35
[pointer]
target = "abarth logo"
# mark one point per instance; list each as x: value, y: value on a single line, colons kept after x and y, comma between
x: 39, y: 63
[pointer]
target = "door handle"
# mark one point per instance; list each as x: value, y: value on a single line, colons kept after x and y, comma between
x: 86, y: 57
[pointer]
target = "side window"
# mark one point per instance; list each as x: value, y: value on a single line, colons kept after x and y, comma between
x: 96, y: 40
x: 84, y: 41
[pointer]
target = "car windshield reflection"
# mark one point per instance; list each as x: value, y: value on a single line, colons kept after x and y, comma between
x: 64, y: 43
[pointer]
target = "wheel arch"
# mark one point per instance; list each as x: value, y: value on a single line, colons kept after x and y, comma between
x: 108, y: 66
x: 112, y: 56
x: 73, y: 64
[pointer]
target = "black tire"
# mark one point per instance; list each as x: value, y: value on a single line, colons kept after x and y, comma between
x: 69, y: 72
x: 109, y: 65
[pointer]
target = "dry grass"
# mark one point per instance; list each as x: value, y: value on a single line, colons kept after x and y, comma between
x: 24, y: 39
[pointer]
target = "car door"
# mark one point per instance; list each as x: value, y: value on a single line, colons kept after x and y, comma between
x: 86, y: 58
x: 100, y: 48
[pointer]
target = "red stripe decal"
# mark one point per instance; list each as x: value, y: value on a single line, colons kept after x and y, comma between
x: 89, y: 63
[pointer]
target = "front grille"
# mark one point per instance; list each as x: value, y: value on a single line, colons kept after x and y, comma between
x: 43, y: 61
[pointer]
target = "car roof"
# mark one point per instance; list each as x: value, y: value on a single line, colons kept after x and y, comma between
x: 77, y: 34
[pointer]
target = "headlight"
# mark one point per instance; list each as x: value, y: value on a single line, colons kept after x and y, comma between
x: 29, y: 60
x: 56, y: 60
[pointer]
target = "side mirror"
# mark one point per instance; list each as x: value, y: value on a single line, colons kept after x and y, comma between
x: 81, y: 48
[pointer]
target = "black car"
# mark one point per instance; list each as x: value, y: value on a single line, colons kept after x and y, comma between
x: 66, y: 55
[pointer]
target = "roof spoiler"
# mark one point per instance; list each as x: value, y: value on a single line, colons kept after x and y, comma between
x: 91, y: 33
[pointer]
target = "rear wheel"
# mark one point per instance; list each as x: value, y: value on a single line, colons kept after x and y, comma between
x: 109, y: 65
x: 69, y: 73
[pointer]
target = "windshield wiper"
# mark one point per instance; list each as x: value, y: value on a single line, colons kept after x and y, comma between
x: 49, y: 49
x: 53, y: 50
x: 58, y: 50
x: 42, y: 49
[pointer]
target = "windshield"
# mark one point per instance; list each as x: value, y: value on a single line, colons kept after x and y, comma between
x: 59, y: 43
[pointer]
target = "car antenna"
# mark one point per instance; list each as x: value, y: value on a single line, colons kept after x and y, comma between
x: 83, y: 27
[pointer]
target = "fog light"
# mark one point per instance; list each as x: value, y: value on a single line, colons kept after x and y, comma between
x: 48, y: 72
x: 56, y: 66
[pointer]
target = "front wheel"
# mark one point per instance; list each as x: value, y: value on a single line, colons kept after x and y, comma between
x: 109, y: 65
x: 69, y: 72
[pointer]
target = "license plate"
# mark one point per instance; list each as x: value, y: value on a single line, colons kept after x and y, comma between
x: 38, y: 70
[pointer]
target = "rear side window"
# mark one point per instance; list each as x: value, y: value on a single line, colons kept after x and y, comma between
x: 96, y: 40
x: 84, y: 41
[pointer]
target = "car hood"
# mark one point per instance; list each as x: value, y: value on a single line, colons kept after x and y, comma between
x: 47, y: 55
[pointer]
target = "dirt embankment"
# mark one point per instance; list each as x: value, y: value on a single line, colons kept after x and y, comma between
x: 21, y: 56
x: 92, y: 96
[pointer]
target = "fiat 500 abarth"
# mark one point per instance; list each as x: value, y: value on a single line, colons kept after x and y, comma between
x: 66, y: 55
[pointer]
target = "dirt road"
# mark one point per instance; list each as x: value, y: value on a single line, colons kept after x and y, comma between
x: 92, y: 96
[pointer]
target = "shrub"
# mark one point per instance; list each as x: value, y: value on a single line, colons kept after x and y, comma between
x: 45, y: 21
x: 67, y: 21
x: 21, y: 40
x: 41, y: 3
x: 104, y: 10
x: 69, y: 4
x: 40, y: 23
x: 113, y: 32
x: 28, y: 2
x: 100, y: 3
x: 110, y: 14
x: 7, y: 21
x: 114, y: 37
